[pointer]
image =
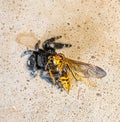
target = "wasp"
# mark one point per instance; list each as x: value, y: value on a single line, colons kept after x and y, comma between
x: 56, y: 68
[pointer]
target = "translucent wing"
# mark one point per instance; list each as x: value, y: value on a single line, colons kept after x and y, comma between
x: 85, y: 69
x: 27, y: 39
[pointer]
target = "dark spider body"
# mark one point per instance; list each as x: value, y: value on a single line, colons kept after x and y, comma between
x: 38, y: 58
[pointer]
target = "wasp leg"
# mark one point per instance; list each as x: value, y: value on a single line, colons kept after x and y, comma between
x: 28, y: 52
x: 52, y: 76
x: 78, y: 77
x: 37, y: 46
x: 89, y: 84
x: 51, y: 44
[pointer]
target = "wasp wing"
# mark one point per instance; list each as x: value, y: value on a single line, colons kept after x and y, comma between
x: 27, y: 39
x: 85, y: 69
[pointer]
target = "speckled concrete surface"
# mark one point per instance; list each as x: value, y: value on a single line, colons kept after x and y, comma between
x: 93, y: 27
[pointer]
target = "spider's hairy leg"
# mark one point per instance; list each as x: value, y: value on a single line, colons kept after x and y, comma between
x: 53, y: 39
x: 57, y: 37
x: 52, y: 76
x: 28, y: 52
x: 37, y: 45
x: 32, y: 73
x: 61, y: 45
x: 50, y: 43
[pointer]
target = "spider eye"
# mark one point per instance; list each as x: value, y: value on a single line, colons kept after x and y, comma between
x: 31, y: 62
x: 28, y: 62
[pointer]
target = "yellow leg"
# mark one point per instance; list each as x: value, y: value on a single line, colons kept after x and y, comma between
x: 49, y: 61
x: 51, y: 75
x: 89, y: 84
x: 78, y: 77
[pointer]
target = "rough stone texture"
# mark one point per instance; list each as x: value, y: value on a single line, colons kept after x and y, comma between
x: 93, y: 27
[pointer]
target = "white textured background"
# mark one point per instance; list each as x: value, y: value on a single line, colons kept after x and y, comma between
x: 93, y: 27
